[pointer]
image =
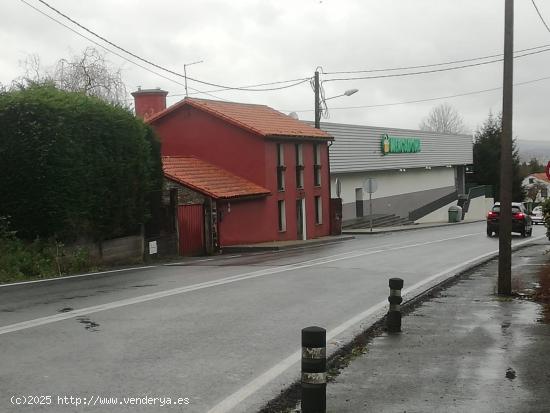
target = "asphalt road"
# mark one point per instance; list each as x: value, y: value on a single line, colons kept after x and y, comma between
x: 221, y: 334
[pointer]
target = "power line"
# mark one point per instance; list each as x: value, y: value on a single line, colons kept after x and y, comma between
x: 114, y: 52
x: 540, y: 15
x: 432, y: 64
x: 258, y: 84
x: 296, y: 81
x: 476, y: 92
x: 433, y: 70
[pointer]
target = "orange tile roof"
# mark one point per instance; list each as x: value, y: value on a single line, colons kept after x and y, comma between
x: 259, y: 119
x: 209, y: 179
x: 541, y: 176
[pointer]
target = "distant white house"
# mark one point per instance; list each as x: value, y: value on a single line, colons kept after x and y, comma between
x: 537, y: 187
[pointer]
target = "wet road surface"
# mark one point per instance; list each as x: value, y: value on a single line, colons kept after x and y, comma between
x: 464, y: 350
x: 219, y: 331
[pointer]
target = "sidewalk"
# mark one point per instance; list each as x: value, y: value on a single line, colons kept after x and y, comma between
x: 380, y: 230
x: 464, y: 350
x: 346, y: 235
x: 285, y: 245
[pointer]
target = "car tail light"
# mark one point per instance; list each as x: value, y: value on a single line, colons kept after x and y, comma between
x: 519, y: 215
x: 492, y: 214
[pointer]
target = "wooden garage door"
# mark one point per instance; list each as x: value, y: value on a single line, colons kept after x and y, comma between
x: 191, y: 229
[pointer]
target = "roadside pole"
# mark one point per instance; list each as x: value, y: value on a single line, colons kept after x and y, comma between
x: 505, y: 231
x: 317, y: 102
x: 370, y: 185
x: 370, y: 210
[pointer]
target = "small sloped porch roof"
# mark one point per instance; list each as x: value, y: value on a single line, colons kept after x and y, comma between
x: 208, y: 179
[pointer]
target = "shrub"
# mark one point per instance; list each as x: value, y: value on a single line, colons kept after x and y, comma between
x: 20, y: 260
x: 72, y: 166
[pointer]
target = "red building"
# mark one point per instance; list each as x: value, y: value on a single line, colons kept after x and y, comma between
x: 257, y: 174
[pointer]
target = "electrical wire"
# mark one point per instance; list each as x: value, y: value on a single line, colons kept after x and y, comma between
x: 149, y: 62
x: 434, y: 70
x: 115, y: 53
x: 433, y: 64
x: 540, y: 15
x: 476, y: 92
x: 295, y: 82
x: 323, y: 107
x: 259, y: 84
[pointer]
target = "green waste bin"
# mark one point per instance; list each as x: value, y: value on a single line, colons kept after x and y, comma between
x: 453, y: 213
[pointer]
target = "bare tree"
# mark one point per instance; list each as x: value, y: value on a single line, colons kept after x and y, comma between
x: 444, y: 118
x: 89, y: 73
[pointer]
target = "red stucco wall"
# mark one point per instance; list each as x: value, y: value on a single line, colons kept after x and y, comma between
x: 189, y: 131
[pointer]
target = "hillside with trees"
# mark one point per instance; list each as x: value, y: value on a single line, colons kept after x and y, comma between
x: 487, y: 159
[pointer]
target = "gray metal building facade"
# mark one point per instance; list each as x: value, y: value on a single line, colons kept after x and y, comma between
x: 407, y: 181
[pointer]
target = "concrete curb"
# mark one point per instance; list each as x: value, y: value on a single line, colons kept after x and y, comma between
x: 411, y: 227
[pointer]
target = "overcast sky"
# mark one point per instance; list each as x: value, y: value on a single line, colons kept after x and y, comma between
x: 246, y: 42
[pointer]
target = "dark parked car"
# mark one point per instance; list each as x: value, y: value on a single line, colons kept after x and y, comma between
x: 521, y: 221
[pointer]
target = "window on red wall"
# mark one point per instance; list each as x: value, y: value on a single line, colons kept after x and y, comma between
x: 280, y: 167
x: 282, y: 215
x: 317, y: 164
x: 299, y: 166
x: 318, y: 210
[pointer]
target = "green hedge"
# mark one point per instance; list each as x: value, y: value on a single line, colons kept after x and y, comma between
x: 72, y: 166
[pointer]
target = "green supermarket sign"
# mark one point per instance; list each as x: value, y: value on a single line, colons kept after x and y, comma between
x: 398, y: 144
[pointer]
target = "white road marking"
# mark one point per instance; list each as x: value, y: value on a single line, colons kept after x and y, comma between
x: 194, y: 287
x: 76, y: 276
x: 190, y: 262
x: 230, y: 402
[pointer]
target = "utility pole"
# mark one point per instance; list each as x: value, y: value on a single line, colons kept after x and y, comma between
x: 505, y: 230
x: 317, y: 103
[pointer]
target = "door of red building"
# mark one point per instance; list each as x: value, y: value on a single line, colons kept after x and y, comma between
x: 191, y: 229
x: 335, y: 216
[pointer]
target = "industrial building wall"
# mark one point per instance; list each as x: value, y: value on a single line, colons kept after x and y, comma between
x: 398, y: 192
x: 358, y: 148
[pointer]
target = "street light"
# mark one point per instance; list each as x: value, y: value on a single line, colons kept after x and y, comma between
x: 185, y: 73
x: 318, y: 109
x: 346, y: 93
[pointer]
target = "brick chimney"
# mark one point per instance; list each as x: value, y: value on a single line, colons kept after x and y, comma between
x: 148, y: 102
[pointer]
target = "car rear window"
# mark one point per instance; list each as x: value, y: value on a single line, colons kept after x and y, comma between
x: 515, y: 209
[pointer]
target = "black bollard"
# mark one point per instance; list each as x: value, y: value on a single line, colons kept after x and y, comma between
x: 314, y: 370
x: 393, y: 320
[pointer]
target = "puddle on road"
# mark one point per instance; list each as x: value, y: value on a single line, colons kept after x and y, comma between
x: 144, y: 285
x: 88, y: 324
x: 542, y: 293
x: 65, y: 310
x: 536, y: 289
